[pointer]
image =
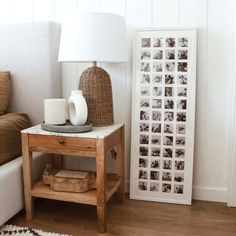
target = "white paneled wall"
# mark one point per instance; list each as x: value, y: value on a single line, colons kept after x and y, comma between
x: 166, y: 13
x: 214, y: 20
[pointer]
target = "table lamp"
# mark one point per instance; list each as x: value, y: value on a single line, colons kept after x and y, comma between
x: 95, y: 37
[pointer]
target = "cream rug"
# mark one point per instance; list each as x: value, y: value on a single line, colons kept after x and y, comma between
x: 20, y: 231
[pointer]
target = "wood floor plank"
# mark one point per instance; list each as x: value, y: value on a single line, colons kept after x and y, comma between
x: 133, y: 218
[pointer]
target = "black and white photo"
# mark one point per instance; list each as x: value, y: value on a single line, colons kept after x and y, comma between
x: 156, y: 116
x: 170, y: 42
x: 146, y: 42
x: 169, y: 104
x: 170, y: 66
x: 143, y: 163
x: 155, y: 164
x: 157, y: 54
x: 182, y: 54
x: 154, y: 187
x: 145, y: 55
x: 179, y: 153
x: 170, y: 54
x: 144, y: 102
x: 145, y: 66
x: 157, y: 79
x: 182, y: 66
x: 142, y: 186
x: 179, y: 165
x: 169, y: 91
x: 168, y: 140
x: 166, y: 176
x: 169, y: 79
x: 156, y: 127
x: 144, y: 139
x: 142, y: 174
x: 158, y: 42
x: 180, y: 128
x: 157, y: 66
x: 183, y: 42
x: 179, y: 177
x: 144, y: 127
x: 168, y: 152
x: 157, y: 91
x: 166, y: 188
x: 169, y: 116
x: 182, y: 79
x: 181, y: 116
x: 154, y: 175
x: 182, y: 92
x: 179, y: 189
x: 156, y: 139
x: 143, y: 151
x: 145, y: 79
x: 180, y: 141
x: 144, y: 115
x: 168, y: 128
x: 155, y: 152
x: 145, y: 91
x: 167, y: 165
x: 156, y: 103
x: 182, y: 104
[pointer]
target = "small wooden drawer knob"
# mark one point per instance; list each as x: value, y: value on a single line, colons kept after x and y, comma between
x: 61, y: 141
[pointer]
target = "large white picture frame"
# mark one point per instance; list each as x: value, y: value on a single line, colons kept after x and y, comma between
x: 163, y: 115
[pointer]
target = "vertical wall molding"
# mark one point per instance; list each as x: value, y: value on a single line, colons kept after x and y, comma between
x: 179, y: 12
x: 54, y: 9
x: 151, y: 6
x: 231, y: 184
x: 32, y: 9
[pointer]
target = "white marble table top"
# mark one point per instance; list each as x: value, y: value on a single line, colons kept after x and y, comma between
x: 97, y: 132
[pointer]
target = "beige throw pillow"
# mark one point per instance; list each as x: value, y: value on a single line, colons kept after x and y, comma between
x: 5, y: 90
x: 10, y: 135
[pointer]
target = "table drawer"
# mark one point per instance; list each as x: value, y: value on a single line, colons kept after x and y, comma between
x: 62, y: 145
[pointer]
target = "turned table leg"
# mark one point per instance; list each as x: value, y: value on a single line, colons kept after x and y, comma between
x: 101, y: 186
x: 27, y: 166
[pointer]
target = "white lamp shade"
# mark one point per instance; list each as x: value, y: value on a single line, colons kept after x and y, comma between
x: 90, y: 37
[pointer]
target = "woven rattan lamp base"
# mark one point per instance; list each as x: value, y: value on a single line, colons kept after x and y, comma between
x: 96, y: 86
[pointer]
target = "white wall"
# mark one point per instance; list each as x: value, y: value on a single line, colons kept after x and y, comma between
x: 214, y: 20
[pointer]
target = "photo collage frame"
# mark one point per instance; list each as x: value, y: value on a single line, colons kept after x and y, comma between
x: 163, y: 115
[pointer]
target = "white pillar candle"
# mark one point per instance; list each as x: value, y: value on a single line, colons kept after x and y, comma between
x: 55, y: 111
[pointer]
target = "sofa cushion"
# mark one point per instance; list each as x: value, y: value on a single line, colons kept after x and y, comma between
x: 10, y: 135
x: 5, y: 89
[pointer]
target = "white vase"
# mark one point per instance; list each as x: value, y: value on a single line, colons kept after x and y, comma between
x: 77, y: 108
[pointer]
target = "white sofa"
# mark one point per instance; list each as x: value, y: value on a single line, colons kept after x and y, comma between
x: 29, y: 51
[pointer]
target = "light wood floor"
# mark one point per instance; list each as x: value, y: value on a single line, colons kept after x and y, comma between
x: 134, y: 218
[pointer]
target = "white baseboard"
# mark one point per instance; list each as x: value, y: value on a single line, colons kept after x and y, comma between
x: 209, y: 194
x: 201, y: 193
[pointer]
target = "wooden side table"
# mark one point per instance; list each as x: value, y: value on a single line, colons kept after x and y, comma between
x: 97, y: 143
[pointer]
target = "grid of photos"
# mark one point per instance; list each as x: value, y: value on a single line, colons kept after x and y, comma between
x: 163, y: 103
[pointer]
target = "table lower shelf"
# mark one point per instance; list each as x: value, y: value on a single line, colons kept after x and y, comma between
x: 90, y: 197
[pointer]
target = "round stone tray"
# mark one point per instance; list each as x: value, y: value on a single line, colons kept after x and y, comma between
x: 67, y: 128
